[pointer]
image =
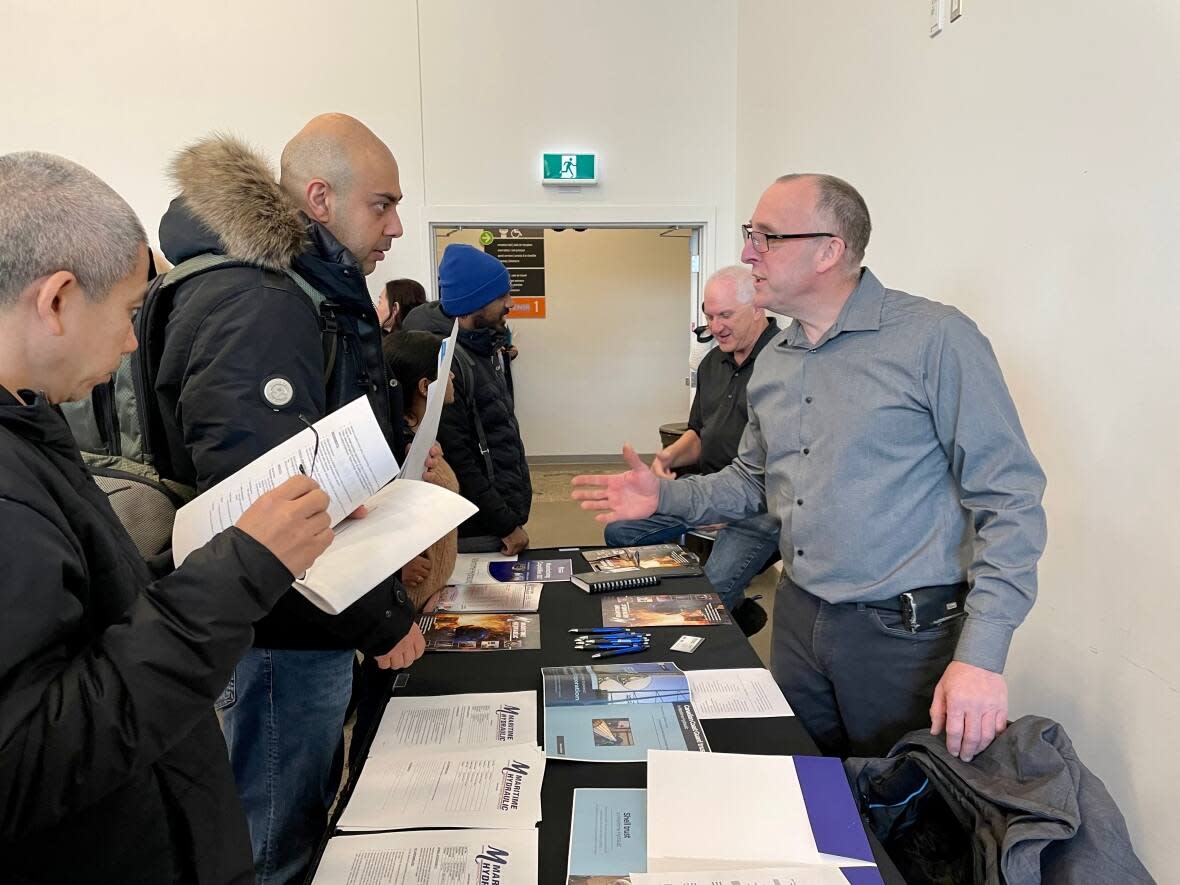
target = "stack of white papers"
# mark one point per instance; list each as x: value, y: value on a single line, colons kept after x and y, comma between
x: 354, y: 466
x: 490, y: 787
x: 798, y: 810
x: 431, y: 857
x: 743, y: 693
x: 456, y: 721
x: 467, y: 760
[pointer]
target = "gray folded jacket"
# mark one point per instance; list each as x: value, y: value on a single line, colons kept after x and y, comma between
x: 1024, y: 811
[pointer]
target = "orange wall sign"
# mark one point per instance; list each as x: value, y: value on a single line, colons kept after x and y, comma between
x: 529, y: 308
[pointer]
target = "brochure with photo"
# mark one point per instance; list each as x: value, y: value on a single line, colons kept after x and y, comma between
x: 666, y: 560
x: 616, y: 712
x: 608, y: 836
x: 470, y: 631
x: 532, y: 570
x: 665, y: 610
x: 520, y: 597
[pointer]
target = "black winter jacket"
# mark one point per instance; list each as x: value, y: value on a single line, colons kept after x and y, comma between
x: 112, y: 765
x: 235, y: 330
x: 483, y: 384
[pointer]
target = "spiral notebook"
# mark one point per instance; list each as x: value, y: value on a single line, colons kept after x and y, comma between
x: 605, y: 582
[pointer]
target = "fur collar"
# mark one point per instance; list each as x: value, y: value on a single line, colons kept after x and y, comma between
x: 232, y: 191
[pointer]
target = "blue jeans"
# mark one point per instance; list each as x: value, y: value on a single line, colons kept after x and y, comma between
x: 283, y: 718
x: 739, y: 553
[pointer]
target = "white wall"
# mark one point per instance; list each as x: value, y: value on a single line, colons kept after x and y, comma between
x: 649, y: 86
x: 120, y: 87
x: 1023, y: 166
x: 608, y: 362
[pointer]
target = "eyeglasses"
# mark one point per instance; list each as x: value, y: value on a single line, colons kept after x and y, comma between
x: 315, y: 451
x: 760, y: 240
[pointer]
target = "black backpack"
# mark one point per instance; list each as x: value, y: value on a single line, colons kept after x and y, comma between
x: 120, y: 430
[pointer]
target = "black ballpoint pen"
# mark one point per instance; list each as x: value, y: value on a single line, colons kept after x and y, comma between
x: 612, y: 654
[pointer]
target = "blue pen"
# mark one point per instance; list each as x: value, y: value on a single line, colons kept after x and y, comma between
x: 604, y: 645
x: 613, y: 654
x: 595, y: 640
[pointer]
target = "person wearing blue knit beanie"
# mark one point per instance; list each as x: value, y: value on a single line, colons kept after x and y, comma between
x: 478, y: 431
x: 469, y: 279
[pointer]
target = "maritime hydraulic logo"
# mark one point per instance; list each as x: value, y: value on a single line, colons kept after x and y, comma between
x: 490, y: 865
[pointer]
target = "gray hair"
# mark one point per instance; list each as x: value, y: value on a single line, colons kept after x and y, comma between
x: 841, y: 205
x: 55, y: 215
x: 741, y: 278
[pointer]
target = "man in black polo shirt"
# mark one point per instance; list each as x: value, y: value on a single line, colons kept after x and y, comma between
x: 715, y: 427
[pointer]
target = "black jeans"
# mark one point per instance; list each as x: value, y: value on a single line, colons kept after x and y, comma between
x: 856, y: 678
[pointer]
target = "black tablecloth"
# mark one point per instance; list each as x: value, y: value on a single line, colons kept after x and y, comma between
x: 564, y: 606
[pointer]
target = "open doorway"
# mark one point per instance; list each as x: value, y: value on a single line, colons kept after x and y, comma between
x: 603, y: 330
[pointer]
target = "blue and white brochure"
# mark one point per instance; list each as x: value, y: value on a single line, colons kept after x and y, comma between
x: 617, y: 712
x: 608, y: 836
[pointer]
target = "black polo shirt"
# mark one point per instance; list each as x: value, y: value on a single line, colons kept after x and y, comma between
x: 719, y: 409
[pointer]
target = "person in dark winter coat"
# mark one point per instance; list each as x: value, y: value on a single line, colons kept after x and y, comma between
x: 112, y: 766
x: 243, y: 366
x: 479, y: 432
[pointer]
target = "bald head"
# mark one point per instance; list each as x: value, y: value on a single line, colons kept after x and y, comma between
x: 343, y: 176
x: 331, y: 147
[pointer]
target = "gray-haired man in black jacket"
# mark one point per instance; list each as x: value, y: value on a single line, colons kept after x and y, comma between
x: 112, y: 768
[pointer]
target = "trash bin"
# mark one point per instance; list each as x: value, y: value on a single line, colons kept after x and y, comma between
x: 669, y: 433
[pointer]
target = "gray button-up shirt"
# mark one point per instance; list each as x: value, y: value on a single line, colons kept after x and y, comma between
x: 892, y: 453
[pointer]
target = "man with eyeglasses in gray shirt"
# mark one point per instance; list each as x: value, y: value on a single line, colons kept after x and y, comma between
x: 883, y: 436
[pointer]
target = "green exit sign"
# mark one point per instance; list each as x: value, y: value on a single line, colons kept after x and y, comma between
x: 569, y: 169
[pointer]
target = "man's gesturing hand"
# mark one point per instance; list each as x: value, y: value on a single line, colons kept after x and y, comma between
x: 291, y: 521
x: 972, y: 704
x: 630, y: 495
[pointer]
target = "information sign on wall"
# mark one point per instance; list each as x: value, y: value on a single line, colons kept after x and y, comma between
x: 522, y: 251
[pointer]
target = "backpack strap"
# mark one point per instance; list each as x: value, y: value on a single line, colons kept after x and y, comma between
x: 462, y: 363
x: 329, y: 327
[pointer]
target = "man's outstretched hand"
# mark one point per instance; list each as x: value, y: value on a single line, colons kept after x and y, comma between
x: 630, y: 495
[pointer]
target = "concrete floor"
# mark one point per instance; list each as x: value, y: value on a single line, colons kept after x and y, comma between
x: 557, y: 521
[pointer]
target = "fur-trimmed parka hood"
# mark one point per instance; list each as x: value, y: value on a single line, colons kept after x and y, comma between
x: 230, y: 202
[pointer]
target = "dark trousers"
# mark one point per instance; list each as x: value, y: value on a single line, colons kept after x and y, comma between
x: 855, y: 677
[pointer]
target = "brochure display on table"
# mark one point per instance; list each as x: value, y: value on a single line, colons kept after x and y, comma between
x: 616, y: 712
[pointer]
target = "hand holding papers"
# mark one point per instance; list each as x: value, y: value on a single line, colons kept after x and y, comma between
x: 404, y: 519
x: 352, y: 465
x: 435, y: 394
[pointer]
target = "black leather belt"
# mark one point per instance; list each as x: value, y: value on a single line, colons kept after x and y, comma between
x: 925, y: 607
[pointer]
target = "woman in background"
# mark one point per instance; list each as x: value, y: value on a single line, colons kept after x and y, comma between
x: 397, y: 299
